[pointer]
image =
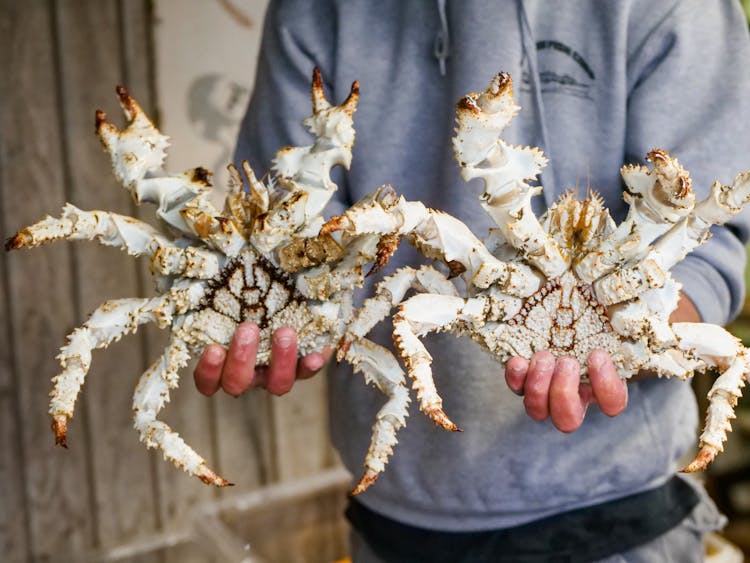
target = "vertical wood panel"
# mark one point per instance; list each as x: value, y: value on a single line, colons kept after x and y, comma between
x: 40, y: 281
x: 14, y: 517
x: 301, y: 429
x: 246, y: 452
x: 13, y: 532
x: 91, y: 68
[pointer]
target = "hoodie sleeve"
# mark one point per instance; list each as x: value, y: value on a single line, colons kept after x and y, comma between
x: 296, y: 38
x: 689, y: 92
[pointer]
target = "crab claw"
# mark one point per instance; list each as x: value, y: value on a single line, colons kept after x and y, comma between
x: 367, y: 480
x: 320, y: 103
x: 209, y: 477
x: 702, y: 460
x: 350, y: 104
x: 438, y: 416
x: 60, y: 428
x: 19, y: 240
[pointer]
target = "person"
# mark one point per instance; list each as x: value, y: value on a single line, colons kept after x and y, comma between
x: 555, y: 476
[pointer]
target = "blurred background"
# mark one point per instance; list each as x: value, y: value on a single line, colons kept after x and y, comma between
x: 190, y: 64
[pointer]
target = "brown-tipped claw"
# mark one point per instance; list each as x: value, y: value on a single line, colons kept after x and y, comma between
x: 101, y: 118
x: 15, y: 242
x: 365, y: 482
x: 441, y: 419
x: 705, y: 456
x: 209, y: 477
x: 60, y: 428
x: 350, y: 104
x: 126, y: 100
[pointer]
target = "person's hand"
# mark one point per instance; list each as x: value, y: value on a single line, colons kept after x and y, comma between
x: 235, y: 372
x: 553, y: 388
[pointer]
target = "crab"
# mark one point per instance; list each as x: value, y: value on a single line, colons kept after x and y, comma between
x: 569, y: 282
x: 261, y: 259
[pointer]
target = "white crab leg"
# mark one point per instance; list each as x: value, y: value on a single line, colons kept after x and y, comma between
x: 647, y: 317
x: 717, y: 348
x: 110, y: 322
x: 379, y: 366
x: 391, y: 291
x: 441, y: 236
x: 697, y: 348
x: 446, y: 237
x: 134, y: 236
x: 418, y: 316
x: 171, y: 193
x: 481, y: 118
x: 658, y: 199
x: 151, y: 394
x: 652, y: 271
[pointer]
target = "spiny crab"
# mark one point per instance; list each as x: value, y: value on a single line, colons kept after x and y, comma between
x: 572, y: 281
x: 261, y: 259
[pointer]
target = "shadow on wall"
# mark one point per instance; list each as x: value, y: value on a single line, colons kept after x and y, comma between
x: 216, y: 104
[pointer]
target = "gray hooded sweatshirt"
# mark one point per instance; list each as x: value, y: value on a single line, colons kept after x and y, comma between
x: 601, y: 82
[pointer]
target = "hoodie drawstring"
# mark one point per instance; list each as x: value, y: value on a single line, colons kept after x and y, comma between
x: 441, y: 47
x: 528, y: 45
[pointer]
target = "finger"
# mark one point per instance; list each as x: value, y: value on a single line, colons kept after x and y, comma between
x: 313, y: 363
x: 283, y: 367
x: 566, y: 406
x: 239, y: 367
x: 207, y: 373
x: 515, y: 374
x: 536, y: 386
x: 610, y: 390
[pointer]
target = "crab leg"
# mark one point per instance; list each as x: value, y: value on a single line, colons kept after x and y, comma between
x: 481, y: 118
x: 110, y: 322
x: 391, y: 291
x: 652, y: 271
x: 134, y: 236
x: 646, y: 319
x: 379, y: 366
x: 442, y: 236
x: 151, y: 394
x: 698, y: 347
x: 658, y: 199
x: 717, y: 348
x: 418, y: 316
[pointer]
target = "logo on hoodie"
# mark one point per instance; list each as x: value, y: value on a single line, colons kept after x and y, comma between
x: 561, y: 70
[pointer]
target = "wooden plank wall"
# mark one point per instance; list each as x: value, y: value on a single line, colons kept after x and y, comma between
x: 61, y: 61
